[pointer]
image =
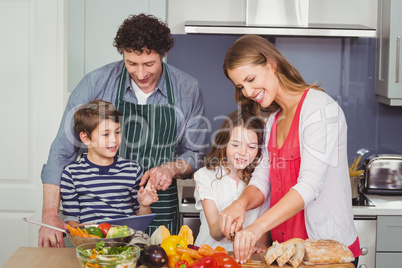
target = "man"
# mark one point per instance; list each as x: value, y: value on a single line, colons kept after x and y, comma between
x: 163, y: 127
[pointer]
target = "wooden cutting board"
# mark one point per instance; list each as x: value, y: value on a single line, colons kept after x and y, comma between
x: 257, y: 261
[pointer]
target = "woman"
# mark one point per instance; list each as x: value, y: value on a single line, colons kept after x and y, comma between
x: 306, y: 137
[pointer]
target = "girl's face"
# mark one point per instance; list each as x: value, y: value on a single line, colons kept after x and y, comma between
x: 257, y: 82
x: 105, y: 141
x: 241, y: 149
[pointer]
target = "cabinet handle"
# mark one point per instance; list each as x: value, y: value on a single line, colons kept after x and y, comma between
x: 364, y: 251
x: 398, y: 45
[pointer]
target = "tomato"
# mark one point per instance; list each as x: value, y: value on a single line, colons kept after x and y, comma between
x: 94, y: 231
x: 104, y: 227
x: 225, y: 261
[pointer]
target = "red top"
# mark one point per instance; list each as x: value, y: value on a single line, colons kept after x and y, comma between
x: 284, y: 170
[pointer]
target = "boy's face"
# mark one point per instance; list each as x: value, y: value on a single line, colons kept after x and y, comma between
x: 105, y: 141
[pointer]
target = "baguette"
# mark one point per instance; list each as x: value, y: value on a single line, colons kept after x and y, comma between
x: 284, y: 258
x: 326, y: 251
x: 298, y: 257
x: 274, y: 252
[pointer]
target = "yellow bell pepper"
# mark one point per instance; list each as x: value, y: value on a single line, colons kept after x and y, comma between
x: 186, y: 257
x: 170, y: 244
x: 172, y: 259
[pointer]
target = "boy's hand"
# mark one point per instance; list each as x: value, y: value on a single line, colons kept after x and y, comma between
x: 147, y: 195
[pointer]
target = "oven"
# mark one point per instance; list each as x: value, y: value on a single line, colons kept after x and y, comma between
x: 188, y: 214
x: 366, y: 227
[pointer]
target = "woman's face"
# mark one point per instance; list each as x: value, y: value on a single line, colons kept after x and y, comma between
x: 257, y: 82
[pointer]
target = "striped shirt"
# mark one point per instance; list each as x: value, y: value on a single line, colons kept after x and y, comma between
x: 91, y: 193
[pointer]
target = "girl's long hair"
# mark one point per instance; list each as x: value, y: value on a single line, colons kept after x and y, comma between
x: 217, y: 156
x: 253, y: 49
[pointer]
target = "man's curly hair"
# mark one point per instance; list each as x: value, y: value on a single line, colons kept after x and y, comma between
x: 143, y: 33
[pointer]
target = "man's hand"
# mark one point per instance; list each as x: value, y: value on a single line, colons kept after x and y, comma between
x: 49, y: 237
x: 162, y: 176
x: 50, y: 215
x: 231, y: 219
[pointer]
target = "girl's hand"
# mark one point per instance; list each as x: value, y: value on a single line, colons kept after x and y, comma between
x: 147, y: 195
x: 244, y: 243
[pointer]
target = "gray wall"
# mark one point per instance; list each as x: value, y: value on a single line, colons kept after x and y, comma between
x: 344, y: 66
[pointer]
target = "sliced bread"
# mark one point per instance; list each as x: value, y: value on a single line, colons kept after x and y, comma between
x: 297, y: 258
x: 274, y: 252
x: 284, y: 258
x: 293, y: 241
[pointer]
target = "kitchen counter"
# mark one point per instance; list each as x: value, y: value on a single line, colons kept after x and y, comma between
x: 383, y: 206
x: 43, y: 258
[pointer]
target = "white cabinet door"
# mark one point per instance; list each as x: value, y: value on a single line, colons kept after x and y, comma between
x: 92, y: 26
x: 388, y: 85
x: 31, y: 105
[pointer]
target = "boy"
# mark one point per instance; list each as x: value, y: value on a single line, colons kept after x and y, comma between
x: 102, y: 185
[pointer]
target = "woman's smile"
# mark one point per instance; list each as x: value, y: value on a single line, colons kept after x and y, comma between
x: 260, y: 96
x: 256, y: 81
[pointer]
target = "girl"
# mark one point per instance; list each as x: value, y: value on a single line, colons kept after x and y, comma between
x: 225, y: 173
x: 306, y: 137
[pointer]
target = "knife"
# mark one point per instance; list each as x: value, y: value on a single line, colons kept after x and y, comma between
x: 232, y: 236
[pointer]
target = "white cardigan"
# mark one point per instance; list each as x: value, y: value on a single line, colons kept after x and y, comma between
x: 323, y: 180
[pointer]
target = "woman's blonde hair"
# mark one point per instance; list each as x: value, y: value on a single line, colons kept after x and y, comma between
x: 253, y: 49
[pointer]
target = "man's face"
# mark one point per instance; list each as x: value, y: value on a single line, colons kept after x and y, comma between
x: 145, y: 69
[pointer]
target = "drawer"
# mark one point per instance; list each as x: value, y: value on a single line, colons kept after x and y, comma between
x: 385, y: 260
x: 389, y: 233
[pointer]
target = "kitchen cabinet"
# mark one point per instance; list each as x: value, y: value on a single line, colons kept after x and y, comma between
x: 388, y: 85
x: 92, y: 26
x: 366, y: 227
x: 389, y: 243
x: 324, y: 18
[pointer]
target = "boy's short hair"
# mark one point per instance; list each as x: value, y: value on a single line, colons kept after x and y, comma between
x: 89, y: 115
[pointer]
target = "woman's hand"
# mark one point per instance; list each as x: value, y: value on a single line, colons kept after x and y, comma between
x: 244, y: 243
x: 231, y: 219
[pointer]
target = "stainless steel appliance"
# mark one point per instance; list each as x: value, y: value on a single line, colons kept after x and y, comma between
x: 362, y: 200
x: 383, y: 174
x: 188, y: 214
x: 366, y: 227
